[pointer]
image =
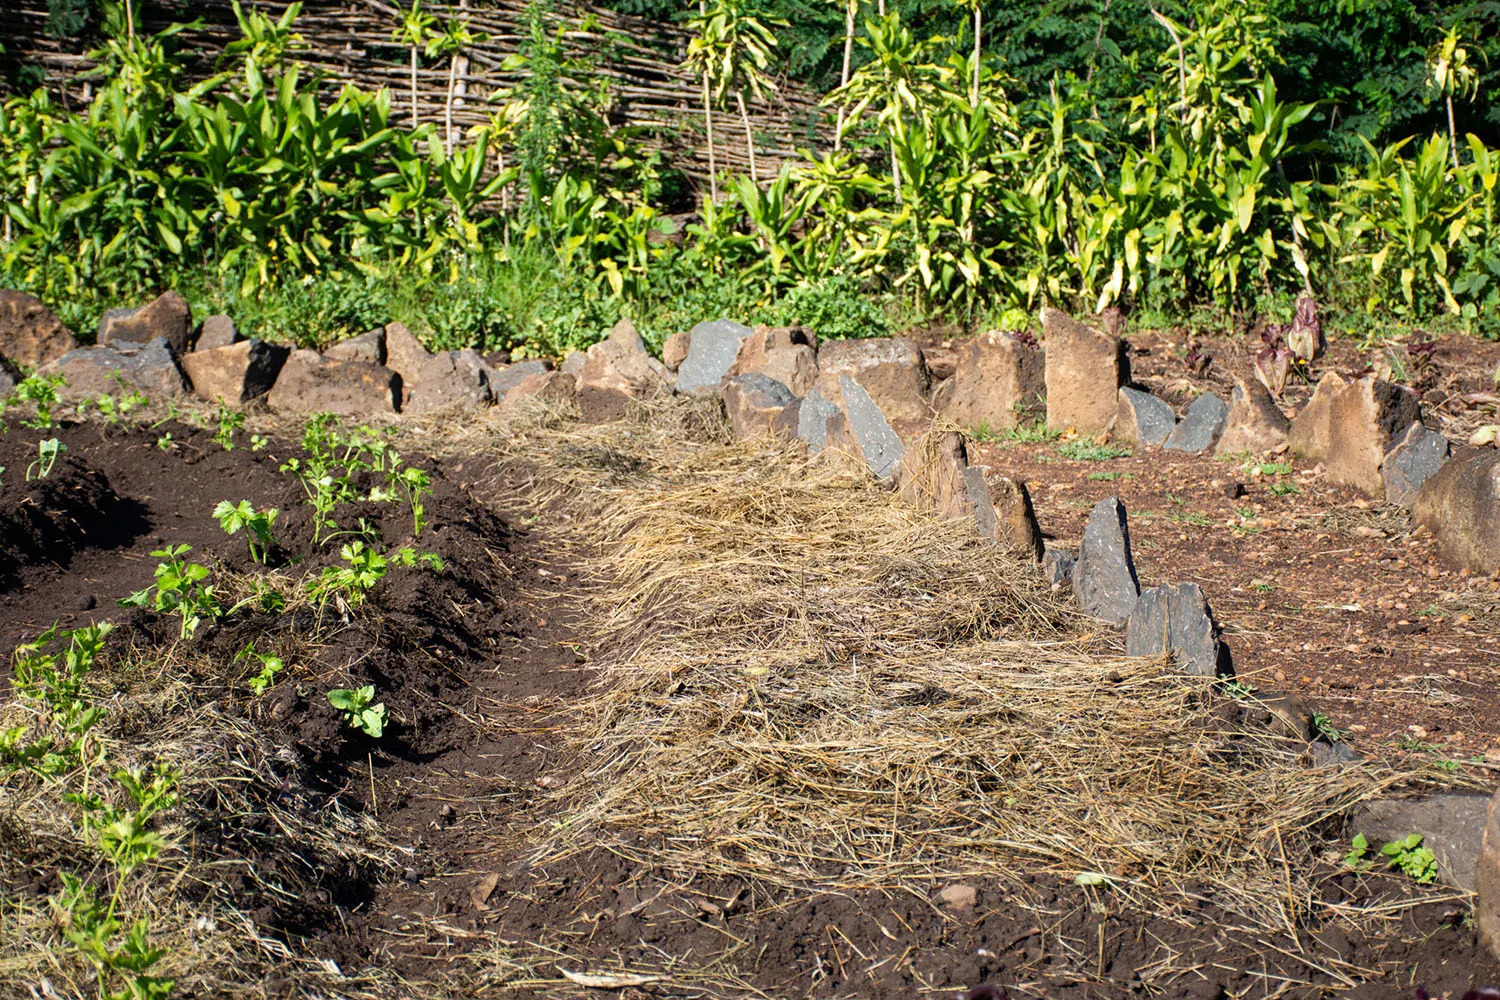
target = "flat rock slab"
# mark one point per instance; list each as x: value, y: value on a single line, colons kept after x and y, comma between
x: 1415, y: 457
x: 1085, y: 369
x: 30, y: 334
x: 311, y: 383
x: 1200, y: 426
x: 712, y: 348
x: 1141, y: 418
x: 861, y: 428
x: 235, y: 373
x: 91, y: 371
x: 1104, y: 578
x: 1452, y: 827
x: 997, y: 382
x: 1487, y: 879
x: 1175, y: 618
x: 812, y: 420
x: 1460, y: 505
x: 1349, y: 426
x: 759, y: 405
x: 554, y: 390
x: 1255, y: 424
x: 168, y: 317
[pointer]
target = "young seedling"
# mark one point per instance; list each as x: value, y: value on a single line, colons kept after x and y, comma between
x: 46, y: 456
x: 417, y: 485
x: 255, y: 523
x: 349, y: 583
x: 1325, y: 728
x: 270, y: 666
x: 179, y: 589
x: 228, y: 421
x: 41, y: 392
x: 55, y: 682
x: 358, y: 712
x: 164, y: 443
x: 1409, y: 857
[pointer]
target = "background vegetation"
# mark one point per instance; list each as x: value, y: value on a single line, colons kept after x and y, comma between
x: 1182, y: 161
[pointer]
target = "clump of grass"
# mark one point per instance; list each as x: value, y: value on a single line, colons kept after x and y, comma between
x: 1088, y: 451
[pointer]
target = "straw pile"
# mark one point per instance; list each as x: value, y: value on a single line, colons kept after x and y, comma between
x: 807, y: 685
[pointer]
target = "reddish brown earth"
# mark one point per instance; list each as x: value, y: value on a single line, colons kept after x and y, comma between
x: 478, y: 665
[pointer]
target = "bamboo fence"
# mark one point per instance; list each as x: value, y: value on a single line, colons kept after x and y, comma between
x: 639, y: 61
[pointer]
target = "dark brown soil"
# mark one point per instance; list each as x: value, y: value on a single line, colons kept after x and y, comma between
x: 478, y: 665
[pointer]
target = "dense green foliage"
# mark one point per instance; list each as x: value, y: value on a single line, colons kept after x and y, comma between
x: 1231, y: 157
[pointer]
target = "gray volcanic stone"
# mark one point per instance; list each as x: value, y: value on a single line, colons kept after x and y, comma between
x: 1176, y: 618
x: 758, y: 404
x: 1104, y: 578
x: 711, y: 350
x: 167, y: 316
x: 151, y: 368
x: 505, y: 378
x: 1142, y: 418
x: 861, y: 423
x: 217, y: 331
x: 1414, y: 458
x: 1461, y: 507
x: 1058, y: 564
x: 812, y: 420
x: 1201, y: 425
x: 1452, y: 827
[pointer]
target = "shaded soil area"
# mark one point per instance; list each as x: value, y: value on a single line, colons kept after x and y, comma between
x: 1323, y: 593
x: 481, y: 669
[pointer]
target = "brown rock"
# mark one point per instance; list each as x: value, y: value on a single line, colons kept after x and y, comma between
x: 1085, y: 369
x: 553, y: 390
x: 1460, y: 506
x: 1349, y: 427
x: 311, y: 383
x: 787, y: 354
x: 759, y: 405
x: 168, y: 316
x: 617, y: 370
x: 448, y: 380
x: 235, y: 373
x: 997, y: 382
x: 217, y: 331
x: 958, y: 897
x: 935, y: 475
x: 1255, y: 423
x: 1487, y: 880
x: 30, y: 334
x: 368, y: 347
x: 1015, y: 526
x: 891, y: 369
x: 675, y: 351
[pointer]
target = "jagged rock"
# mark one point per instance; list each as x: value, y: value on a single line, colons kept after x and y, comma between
x: 168, y: 317
x: 235, y: 373
x: 573, y: 363
x: 215, y: 332
x: 861, y: 429
x: 1487, y: 880
x: 1200, y: 425
x: 1255, y: 423
x: 1415, y: 457
x: 1176, y: 618
x: 1085, y: 369
x: 675, y: 350
x: 90, y: 371
x: 1141, y: 418
x: 312, y: 383
x: 759, y: 405
x: 1349, y: 426
x: 788, y: 354
x: 891, y: 371
x: 367, y: 347
x: 1452, y: 828
x: 1008, y: 517
x: 812, y: 420
x: 617, y: 370
x: 1058, y: 564
x: 30, y: 334
x: 431, y: 383
x: 711, y: 351
x: 1460, y: 505
x: 503, y: 378
x: 10, y: 377
x: 997, y: 382
x: 1104, y: 579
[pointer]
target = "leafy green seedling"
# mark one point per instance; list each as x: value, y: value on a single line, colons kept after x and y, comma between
x: 1325, y: 728
x: 55, y: 682
x: 1357, y: 858
x: 41, y: 392
x: 255, y: 523
x: 228, y: 422
x: 164, y: 443
x: 179, y: 589
x: 258, y: 442
x: 417, y: 485
x: 358, y: 712
x: 46, y: 457
x: 270, y: 666
x: 351, y: 583
x: 1409, y: 857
